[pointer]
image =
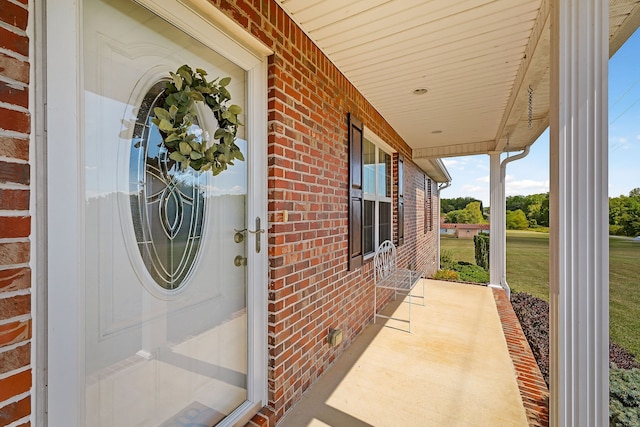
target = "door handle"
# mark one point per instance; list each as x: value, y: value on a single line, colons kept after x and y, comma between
x: 238, y: 237
x: 258, y: 231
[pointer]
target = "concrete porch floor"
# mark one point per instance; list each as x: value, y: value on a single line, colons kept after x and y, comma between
x: 454, y: 369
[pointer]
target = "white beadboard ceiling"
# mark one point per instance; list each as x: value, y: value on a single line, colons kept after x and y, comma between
x: 479, y: 60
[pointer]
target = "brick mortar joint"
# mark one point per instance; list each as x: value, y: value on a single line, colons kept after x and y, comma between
x: 13, y: 29
x: 15, y: 399
x: 23, y: 318
x: 6, y: 267
x: 14, y: 107
x: 18, y: 371
x: 15, y: 134
x: 12, y: 294
x: 23, y: 6
x: 14, y: 55
x: 14, y: 84
x: 15, y: 213
x: 7, y: 185
x: 13, y: 346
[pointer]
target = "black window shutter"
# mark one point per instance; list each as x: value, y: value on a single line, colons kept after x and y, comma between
x: 356, y: 195
x: 430, y: 200
x: 400, y: 199
x: 426, y: 206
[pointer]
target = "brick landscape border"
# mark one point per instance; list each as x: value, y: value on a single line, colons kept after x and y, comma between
x: 533, y: 389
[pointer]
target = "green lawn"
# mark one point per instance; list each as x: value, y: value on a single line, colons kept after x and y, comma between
x: 528, y: 271
x: 462, y: 249
x: 528, y: 262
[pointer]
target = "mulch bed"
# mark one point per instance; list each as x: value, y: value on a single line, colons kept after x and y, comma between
x: 533, y: 314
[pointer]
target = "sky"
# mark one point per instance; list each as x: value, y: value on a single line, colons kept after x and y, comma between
x: 470, y: 175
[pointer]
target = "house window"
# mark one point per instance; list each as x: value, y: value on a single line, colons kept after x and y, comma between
x: 377, y: 196
x: 370, y: 193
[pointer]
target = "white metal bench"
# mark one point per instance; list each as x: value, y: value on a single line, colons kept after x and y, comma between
x: 387, y: 275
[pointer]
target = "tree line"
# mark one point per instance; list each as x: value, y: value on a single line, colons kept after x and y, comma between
x: 624, y: 214
x: 532, y: 211
x: 468, y: 213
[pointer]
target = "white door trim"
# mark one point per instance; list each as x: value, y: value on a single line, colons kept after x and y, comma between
x: 38, y: 209
x: 63, y: 171
x: 65, y: 193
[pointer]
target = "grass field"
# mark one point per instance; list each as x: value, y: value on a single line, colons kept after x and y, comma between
x: 528, y: 271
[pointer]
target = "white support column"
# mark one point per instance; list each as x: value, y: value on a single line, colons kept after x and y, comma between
x: 440, y: 188
x: 497, y: 249
x: 579, y: 246
x: 439, y: 230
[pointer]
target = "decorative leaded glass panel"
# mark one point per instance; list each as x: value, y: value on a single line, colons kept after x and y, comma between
x: 167, y: 204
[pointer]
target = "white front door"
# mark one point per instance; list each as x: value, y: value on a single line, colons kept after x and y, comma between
x: 171, y: 260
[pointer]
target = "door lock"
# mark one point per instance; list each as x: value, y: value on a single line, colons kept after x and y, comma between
x: 239, y: 261
x: 239, y: 236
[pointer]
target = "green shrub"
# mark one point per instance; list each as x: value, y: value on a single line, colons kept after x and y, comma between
x: 460, y: 271
x: 624, y: 397
x: 517, y: 220
x: 616, y: 230
x: 446, y: 275
x: 446, y: 259
x: 481, y: 244
x: 471, y: 273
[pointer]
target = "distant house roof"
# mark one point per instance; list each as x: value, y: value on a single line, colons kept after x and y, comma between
x: 448, y: 225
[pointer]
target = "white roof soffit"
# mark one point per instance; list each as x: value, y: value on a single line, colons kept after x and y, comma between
x: 434, y: 168
x: 479, y: 63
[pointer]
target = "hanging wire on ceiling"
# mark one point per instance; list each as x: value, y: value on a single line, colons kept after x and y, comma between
x: 530, y: 91
x: 508, y: 149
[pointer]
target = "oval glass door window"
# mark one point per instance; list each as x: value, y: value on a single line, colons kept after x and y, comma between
x: 167, y: 204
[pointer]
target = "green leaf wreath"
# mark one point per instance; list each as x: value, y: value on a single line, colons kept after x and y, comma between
x: 175, y: 121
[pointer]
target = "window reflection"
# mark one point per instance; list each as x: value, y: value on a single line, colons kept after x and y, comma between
x: 369, y: 172
x: 384, y: 174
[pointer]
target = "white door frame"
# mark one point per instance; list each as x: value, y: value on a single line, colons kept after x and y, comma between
x: 65, y: 193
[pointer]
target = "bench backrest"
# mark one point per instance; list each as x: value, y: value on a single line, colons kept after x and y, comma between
x: 384, y: 261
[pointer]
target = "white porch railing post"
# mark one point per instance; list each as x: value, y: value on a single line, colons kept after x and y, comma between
x: 497, y: 250
x: 579, y: 247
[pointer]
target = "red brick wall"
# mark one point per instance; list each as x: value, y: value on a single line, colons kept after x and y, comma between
x: 15, y: 222
x: 310, y: 289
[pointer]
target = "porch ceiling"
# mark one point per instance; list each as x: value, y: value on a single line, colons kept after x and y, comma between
x: 479, y: 59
